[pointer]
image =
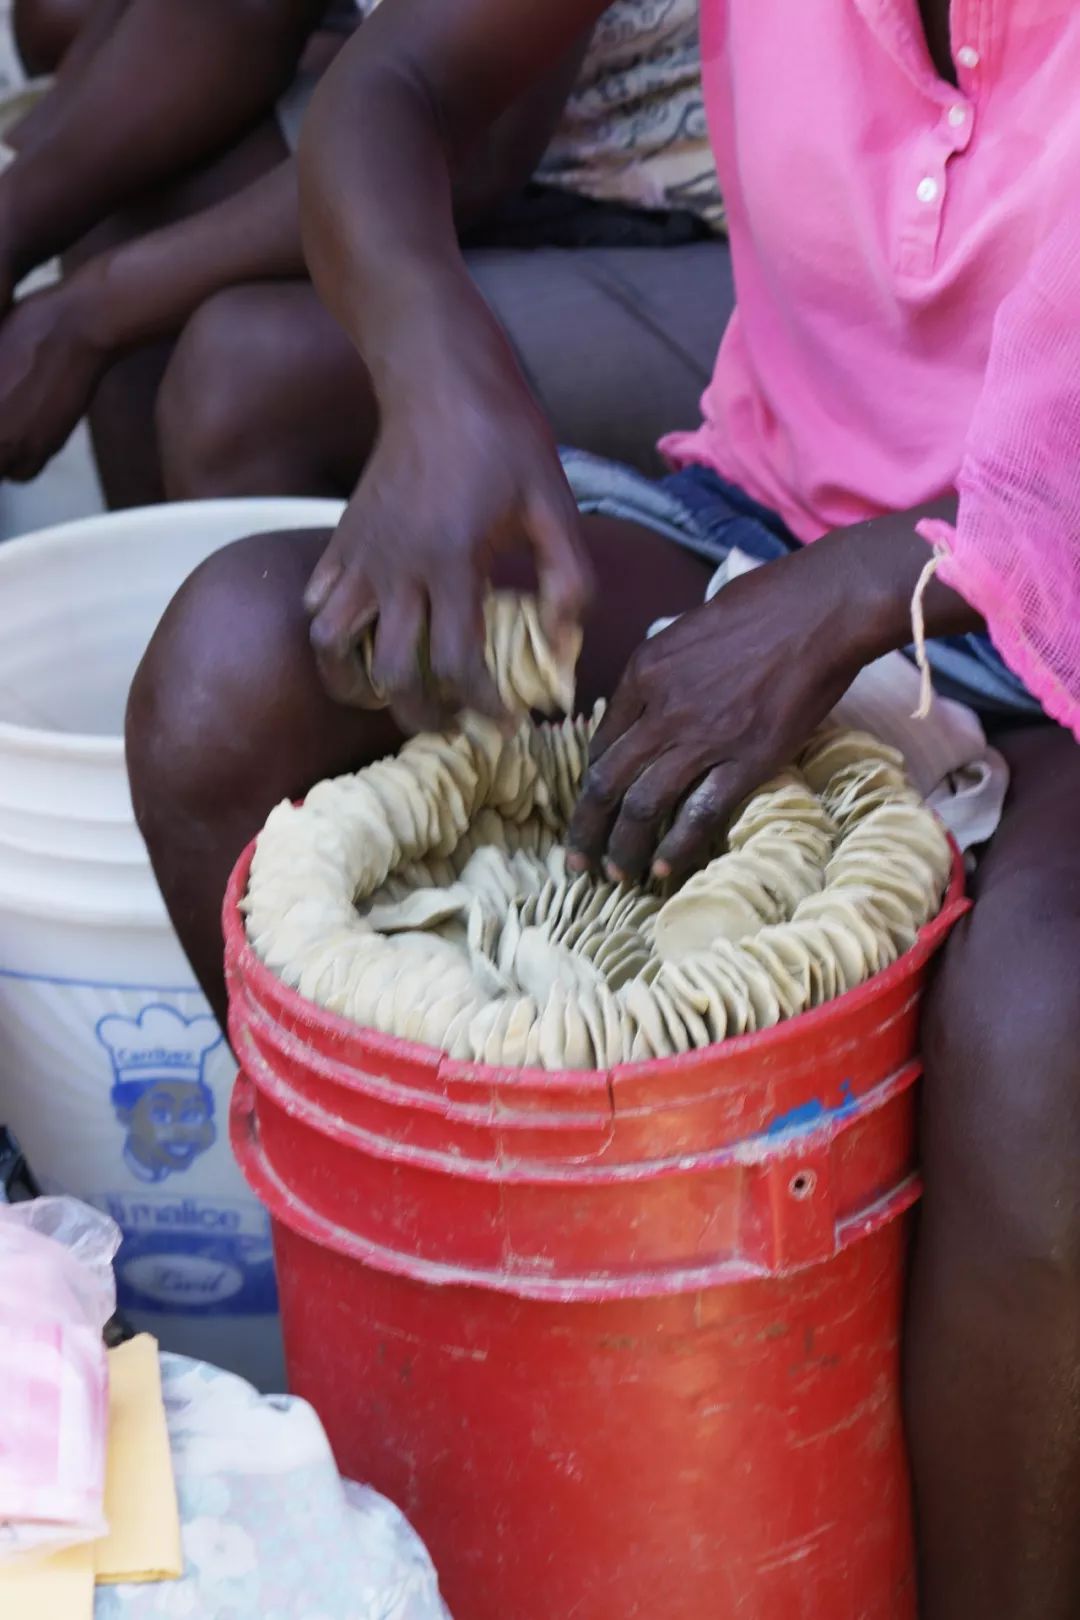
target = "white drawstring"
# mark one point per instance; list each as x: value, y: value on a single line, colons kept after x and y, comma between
x: 918, y: 627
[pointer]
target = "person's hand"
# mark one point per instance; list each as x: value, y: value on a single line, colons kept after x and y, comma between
x: 49, y: 368
x: 464, y: 468
x: 709, y: 709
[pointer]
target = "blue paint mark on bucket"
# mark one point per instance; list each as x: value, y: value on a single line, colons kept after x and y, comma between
x: 812, y: 1113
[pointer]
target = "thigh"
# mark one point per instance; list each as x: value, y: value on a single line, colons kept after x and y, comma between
x: 265, y: 395
x: 1039, y: 829
x: 993, y: 1337
x: 1002, y: 1031
x: 617, y: 342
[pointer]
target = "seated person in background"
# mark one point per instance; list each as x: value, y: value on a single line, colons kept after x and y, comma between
x: 264, y: 394
x: 159, y: 108
x: 50, y: 34
x: 901, y: 186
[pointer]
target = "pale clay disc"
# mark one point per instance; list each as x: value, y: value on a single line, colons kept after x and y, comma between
x: 479, y: 940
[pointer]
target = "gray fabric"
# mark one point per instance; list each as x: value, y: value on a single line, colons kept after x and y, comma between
x: 618, y: 343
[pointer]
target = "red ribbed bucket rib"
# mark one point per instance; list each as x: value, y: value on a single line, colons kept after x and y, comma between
x: 621, y: 1344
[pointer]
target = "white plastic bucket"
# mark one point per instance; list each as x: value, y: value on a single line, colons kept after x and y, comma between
x: 113, y: 1075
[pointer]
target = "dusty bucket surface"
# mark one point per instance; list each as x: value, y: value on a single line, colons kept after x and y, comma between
x: 113, y: 1074
x: 620, y: 1344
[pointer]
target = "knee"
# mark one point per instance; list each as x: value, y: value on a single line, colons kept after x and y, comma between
x: 45, y: 29
x: 209, y: 425
x: 221, y: 694
x: 1001, y: 1111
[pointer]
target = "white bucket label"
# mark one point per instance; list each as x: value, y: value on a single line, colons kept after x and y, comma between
x: 191, y: 1255
x: 119, y: 1095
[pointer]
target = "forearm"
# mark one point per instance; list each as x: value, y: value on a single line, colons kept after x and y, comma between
x: 873, y: 569
x: 147, y: 288
x: 507, y: 159
x: 174, y: 82
x: 888, y: 559
x: 407, y: 105
x: 377, y: 218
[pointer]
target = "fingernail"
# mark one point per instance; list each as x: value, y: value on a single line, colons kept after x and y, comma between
x: 614, y: 872
x: 661, y: 869
x: 576, y: 861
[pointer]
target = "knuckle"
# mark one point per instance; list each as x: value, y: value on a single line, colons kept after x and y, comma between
x: 641, y: 662
x: 600, y: 791
x: 703, y: 811
x: 642, y: 806
x: 325, y: 640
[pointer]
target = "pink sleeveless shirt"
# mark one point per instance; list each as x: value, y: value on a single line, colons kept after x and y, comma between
x: 879, y: 216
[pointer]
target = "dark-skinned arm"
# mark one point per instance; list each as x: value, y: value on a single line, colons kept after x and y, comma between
x: 174, y: 82
x: 706, y: 711
x: 465, y: 464
x: 713, y: 706
x: 55, y: 346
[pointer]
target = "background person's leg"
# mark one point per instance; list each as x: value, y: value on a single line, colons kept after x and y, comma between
x: 123, y: 411
x: 227, y: 716
x: 993, y: 1349
x: 266, y: 396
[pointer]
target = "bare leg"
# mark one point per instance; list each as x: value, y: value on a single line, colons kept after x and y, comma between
x: 994, y: 1327
x: 227, y: 715
x: 265, y: 395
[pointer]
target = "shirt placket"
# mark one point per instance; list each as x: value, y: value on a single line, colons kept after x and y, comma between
x: 953, y: 115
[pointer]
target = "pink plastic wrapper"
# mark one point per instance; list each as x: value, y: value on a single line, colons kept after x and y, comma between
x: 56, y: 1294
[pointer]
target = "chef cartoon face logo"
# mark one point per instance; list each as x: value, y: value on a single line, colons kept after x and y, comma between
x: 158, y: 1093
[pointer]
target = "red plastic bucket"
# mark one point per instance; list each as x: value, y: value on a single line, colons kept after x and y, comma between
x: 620, y: 1344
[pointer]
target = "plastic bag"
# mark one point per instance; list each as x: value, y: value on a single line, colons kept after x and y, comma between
x: 268, y: 1525
x: 57, y: 1292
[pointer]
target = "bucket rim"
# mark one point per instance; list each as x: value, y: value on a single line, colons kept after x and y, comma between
x: 108, y: 747
x: 151, y: 914
x: 243, y: 963
x: 65, y: 747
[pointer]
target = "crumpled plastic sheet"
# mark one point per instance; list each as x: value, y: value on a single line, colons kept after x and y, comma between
x: 270, y: 1531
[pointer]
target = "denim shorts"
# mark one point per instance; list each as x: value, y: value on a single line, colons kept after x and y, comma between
x: 700, y: 510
